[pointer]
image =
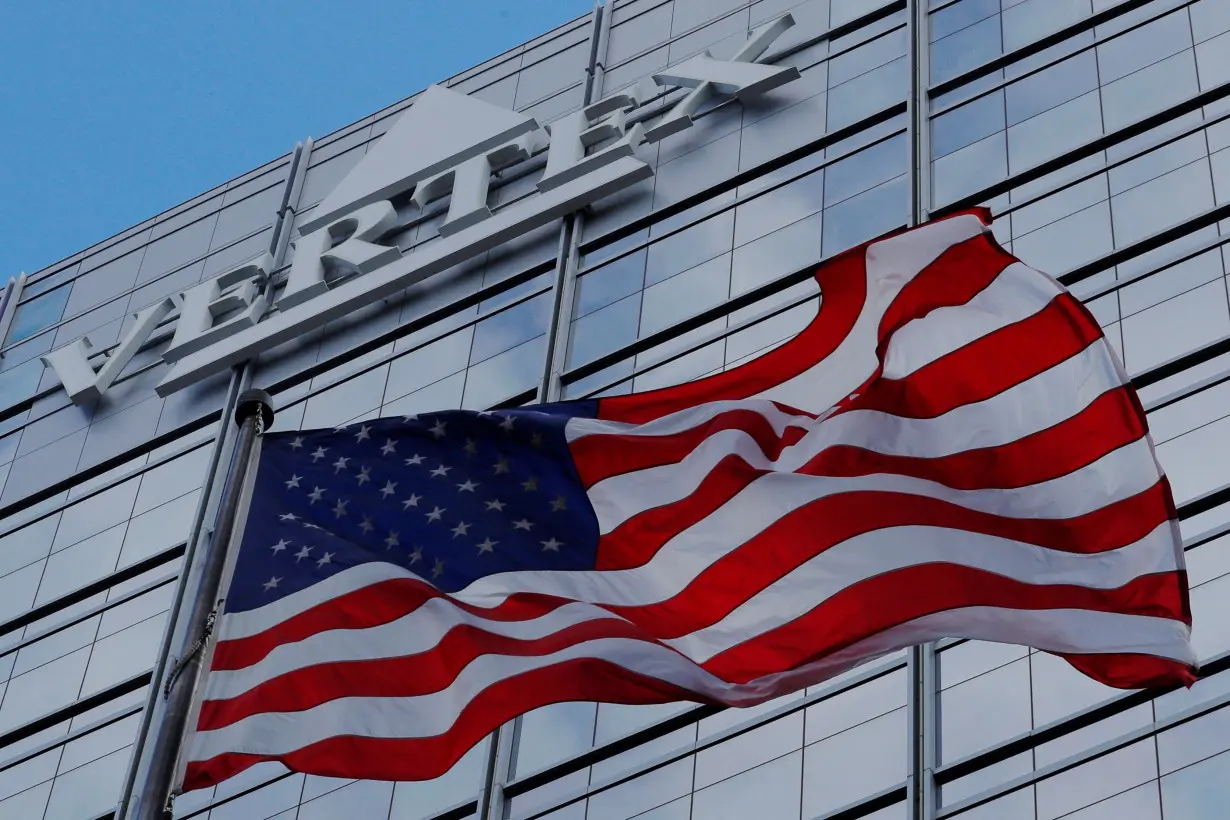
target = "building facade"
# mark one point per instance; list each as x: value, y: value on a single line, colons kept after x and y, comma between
x: 1097, y: 131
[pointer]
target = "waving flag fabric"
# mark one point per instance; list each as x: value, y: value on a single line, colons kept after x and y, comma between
x: 949, y: 449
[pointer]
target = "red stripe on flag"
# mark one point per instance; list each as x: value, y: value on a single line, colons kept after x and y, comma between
x: 1107, y: 424
x: 843, y: 281
x: 373, y: 605
x: 599, y: 457
x: 809, y: 531
x: 398, y: 677
x: 372, y: 758
x: 987, y: 366
x: 897, y: 597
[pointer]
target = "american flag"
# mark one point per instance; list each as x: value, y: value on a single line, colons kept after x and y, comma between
x: 950, y: 448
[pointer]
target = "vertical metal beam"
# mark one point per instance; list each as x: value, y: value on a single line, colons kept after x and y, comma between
x: 253, y: 414
x: 923, y: 739
x: 8, y: 306
x: 207, y: 505
x: 491, y: 801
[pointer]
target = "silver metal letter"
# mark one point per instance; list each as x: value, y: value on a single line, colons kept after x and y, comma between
x: 740, y: 77
x: 237, y: 289
x: 470, y: 182
x: 72, y: 362
x: 573, y: 135
x: 347, y: 243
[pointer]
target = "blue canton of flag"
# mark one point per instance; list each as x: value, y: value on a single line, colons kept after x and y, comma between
x: 452, y: 496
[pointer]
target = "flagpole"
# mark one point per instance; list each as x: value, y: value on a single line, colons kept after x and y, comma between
x: 253, y: 415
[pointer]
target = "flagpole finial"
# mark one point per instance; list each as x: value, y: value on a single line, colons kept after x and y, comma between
x: 253, y: 402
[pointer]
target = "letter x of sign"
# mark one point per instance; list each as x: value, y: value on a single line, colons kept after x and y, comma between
x: 590, y: 154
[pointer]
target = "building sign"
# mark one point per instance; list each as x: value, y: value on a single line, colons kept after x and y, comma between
x: 446, y: 144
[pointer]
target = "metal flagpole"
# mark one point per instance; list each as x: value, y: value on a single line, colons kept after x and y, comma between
x: 254, y: 415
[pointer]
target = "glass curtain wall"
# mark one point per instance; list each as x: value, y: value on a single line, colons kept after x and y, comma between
x: 1097, y: 131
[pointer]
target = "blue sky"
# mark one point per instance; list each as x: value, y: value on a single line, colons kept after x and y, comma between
x: 113, y: 111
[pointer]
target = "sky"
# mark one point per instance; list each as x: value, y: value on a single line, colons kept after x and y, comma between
x: 111, y: 112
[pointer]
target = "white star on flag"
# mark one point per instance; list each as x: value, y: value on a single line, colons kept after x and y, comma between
x: 364, y: 433
x: 552, y: 545
x: 392, y: 540
x: 389, y: 447
x: 390, y: 488
x: 293, y: 481
x: 296, y: 443
x: 416, y: 555
x: 435, y: 514
x: 441, y: 471
x: 467, y: 487
x: 281, y: 545
x: 414, y: 460
x: 487, y: 545
x: 319, y: 453
x: 316, y: 494
x: 340, y: 464
x: 367, y: 525
x: 340, y: 508
x: 461, y: 529
x: 325, y: 559
x: 523, y: 524
x: 288, y: 517
x: 304, y: 552
x: 272, y: 583
x: 412, y: 501
x: 495, y: 504
x: 365, y: 475
x: 438, y: 429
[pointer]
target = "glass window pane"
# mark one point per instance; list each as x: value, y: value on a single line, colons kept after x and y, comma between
x: 44, y: 311
x: 854, y: 763
x: 1199, y: 792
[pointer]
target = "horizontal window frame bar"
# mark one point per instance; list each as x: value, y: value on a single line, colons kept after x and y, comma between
x: 882, y: 799
x: 91, y: 612
x: 1178, y: 5
x: 744, y: 177
x: 88, y: 729
x: 1117, y: 256
x: 159, y: 218
x: 728, y: 206
x: 1105, y: 167
x: 1029, y: 49
x: 1079, y: 152
x: 599, y: 754
x: 75, y: 708
x: 952, y: 771
x: 136, y: 471
x: 1080, y: 758
x: 89, y: 590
